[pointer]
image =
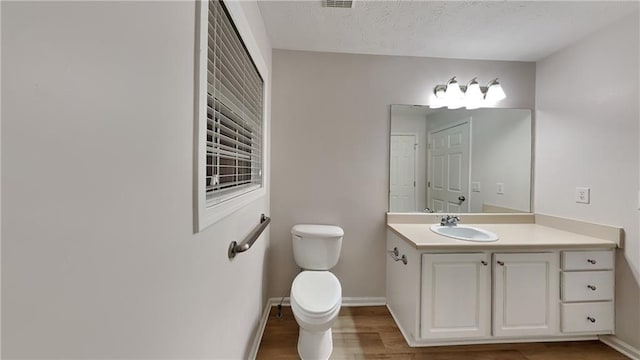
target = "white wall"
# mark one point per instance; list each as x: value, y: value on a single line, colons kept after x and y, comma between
x: 587, y: 135
x: 99, y: 259
x: 330, y: 148
x: 504, y: 158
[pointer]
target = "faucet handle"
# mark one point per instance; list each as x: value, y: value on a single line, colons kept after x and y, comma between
x: 449, y: 220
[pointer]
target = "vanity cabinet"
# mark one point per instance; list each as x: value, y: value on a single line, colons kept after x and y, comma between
x: 459, y: 311
x: 464, y: 296
x: 457, y: 288
x: 587, y: 292
x: 525, y: 301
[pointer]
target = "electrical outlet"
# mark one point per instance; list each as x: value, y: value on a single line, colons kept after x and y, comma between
x: 583, y: 195
x: 475, y: 186
x: 500, y: 188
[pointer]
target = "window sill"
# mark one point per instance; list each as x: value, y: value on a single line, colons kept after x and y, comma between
x: 211, y: 215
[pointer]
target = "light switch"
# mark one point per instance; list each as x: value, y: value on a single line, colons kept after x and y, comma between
x: 583, y: 195
x: 499, y: 188
x: 475, y: 186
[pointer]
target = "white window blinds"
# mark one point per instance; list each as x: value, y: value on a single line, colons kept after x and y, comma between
x: 234, y: 112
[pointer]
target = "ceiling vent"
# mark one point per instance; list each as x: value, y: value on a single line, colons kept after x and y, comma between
x: 345, y: 4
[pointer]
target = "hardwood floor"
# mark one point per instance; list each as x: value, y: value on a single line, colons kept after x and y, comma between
x: 370, y: 333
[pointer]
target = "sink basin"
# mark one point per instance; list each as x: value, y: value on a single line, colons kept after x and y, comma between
x: 462, y: 232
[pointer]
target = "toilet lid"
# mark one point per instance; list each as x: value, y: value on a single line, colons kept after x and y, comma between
x: 316, y: 291
x: 317, y: 230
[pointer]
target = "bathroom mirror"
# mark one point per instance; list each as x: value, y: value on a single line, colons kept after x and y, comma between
x: 459, y: 161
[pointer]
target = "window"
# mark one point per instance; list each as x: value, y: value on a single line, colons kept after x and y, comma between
x: 230, y: 115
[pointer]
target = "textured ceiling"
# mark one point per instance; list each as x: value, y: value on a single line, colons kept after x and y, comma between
x: 492, y: 30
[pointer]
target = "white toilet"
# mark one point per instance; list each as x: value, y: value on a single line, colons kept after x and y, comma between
x: 316, y: 294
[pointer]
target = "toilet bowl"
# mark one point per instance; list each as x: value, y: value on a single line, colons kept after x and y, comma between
x: 316, y: 297
x: 316, y: 294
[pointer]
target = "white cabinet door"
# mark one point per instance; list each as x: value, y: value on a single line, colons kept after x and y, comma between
x: 526, y: 295
x: 455, y: 296
x: 403, y: 286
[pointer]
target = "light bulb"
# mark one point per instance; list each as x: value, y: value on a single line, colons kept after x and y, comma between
x: 437, y: 104
x: 494, y: 91
x: 470, y: 105
x: 455, y: 104
x: 473, y: 92
x: 453, y: 91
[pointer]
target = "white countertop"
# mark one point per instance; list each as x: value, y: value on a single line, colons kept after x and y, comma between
x: 510, y: 236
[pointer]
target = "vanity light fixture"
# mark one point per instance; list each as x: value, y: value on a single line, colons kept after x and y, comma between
x: 470, y: 96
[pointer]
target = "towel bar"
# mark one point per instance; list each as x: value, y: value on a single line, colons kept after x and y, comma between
x: 246, y: 244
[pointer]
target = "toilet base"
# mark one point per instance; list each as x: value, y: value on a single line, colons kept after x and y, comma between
x: 315, y: 345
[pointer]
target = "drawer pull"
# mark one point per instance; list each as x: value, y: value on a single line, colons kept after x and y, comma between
x: 500, y: 263
x: 591, y: 319
x: 484, y: 263
x: 591, y: 287
x: 591, y: 261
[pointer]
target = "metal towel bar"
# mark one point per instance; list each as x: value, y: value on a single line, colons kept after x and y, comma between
x: 246, y: 244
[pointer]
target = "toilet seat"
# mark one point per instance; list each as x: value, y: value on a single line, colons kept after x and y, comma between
x: 316, y: 293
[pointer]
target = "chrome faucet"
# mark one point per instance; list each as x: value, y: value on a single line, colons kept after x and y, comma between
x: 449, y: 220
x: 428, y: 210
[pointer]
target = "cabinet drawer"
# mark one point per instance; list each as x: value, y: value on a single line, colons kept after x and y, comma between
x: 587, y: 285
x: 587, y: 317
x: 587, y: 260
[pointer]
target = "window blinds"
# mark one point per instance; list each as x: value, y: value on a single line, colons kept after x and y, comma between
x: 234, y: 112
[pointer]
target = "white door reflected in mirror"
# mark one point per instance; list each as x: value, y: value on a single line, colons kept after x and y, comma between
x: 402, y: 183
x: 449, y: 168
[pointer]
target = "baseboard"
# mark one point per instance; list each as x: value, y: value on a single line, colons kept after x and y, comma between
x: 620, y: 346
x: 346, y: 301
x: 271, y: 302
x: 253, y: 352
x: 364, y: 301
x: 276, y: 301
x: 503, y: 340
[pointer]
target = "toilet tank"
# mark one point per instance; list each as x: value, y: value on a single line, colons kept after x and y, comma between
x: 316, y: 247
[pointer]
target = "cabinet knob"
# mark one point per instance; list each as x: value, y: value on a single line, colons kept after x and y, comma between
x: 484, y: 263
x: 500, y: 263
x: 395, y: 255
x: 591, y: 287
x: 591, y: 319
x: 591, y: 261
x: 395, y: 251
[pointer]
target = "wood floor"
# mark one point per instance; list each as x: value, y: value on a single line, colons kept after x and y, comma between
x: 370, y: 333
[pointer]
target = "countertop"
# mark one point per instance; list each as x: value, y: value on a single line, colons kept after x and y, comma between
x: 510, y: 236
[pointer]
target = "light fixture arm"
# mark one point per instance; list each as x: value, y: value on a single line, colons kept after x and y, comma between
x: 462, y: 87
